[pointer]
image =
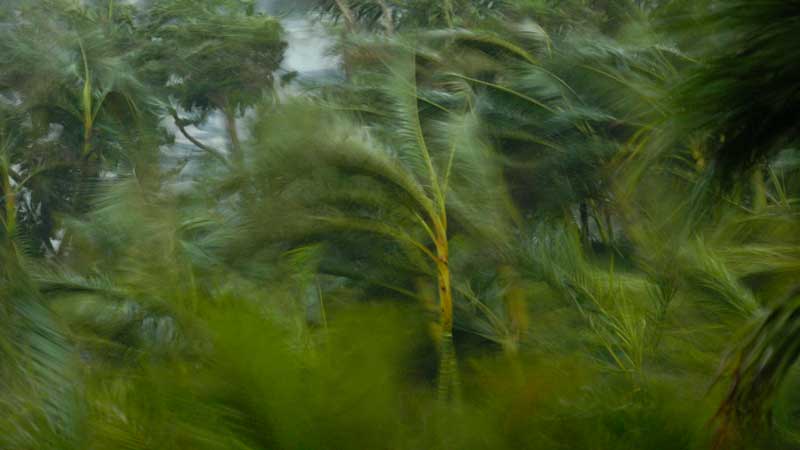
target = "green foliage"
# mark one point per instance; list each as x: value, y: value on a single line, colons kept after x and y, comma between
x: 503, y: 227
x: 411, y: 14
x: 193, y: 48
x: 744, y: 95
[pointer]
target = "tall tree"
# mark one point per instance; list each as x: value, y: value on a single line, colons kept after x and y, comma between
x: 69, y: 73
x: 212, y: 55
x: 412, y: 186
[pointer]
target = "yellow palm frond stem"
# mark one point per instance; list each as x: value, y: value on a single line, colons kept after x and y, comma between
x: 10, y: 201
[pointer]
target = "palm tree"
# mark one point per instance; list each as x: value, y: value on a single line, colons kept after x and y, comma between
x: 413, y: 184
x: 561, y: 103
x: 86, y: 111
x: 738, y: 107
x: 744, y: 94
x: 706, y: 170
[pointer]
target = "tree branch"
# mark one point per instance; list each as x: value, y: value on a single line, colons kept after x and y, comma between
x: 179, y: 123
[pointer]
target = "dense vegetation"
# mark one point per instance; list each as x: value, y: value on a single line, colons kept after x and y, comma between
x: 521, y: 224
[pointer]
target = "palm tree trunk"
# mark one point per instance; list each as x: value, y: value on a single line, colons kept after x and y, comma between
x: 448, y: 384
x: 88, y: 170
x: 233, y: 134
x: 609, y: 224
x: 89, y: 173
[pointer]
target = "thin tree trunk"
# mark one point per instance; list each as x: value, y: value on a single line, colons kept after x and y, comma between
x: 323, y: 315
x: 516, y: 310
x: 233, y: 133
x: 759, y: 190
x: 86, y: 149
x: 448, y: 13
x: 386, y: 17
x: 350, y: 28
x: 584, y: 213
x: 347, y: 13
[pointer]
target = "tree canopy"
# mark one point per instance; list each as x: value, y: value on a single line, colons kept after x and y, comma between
x: 504, y: 224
